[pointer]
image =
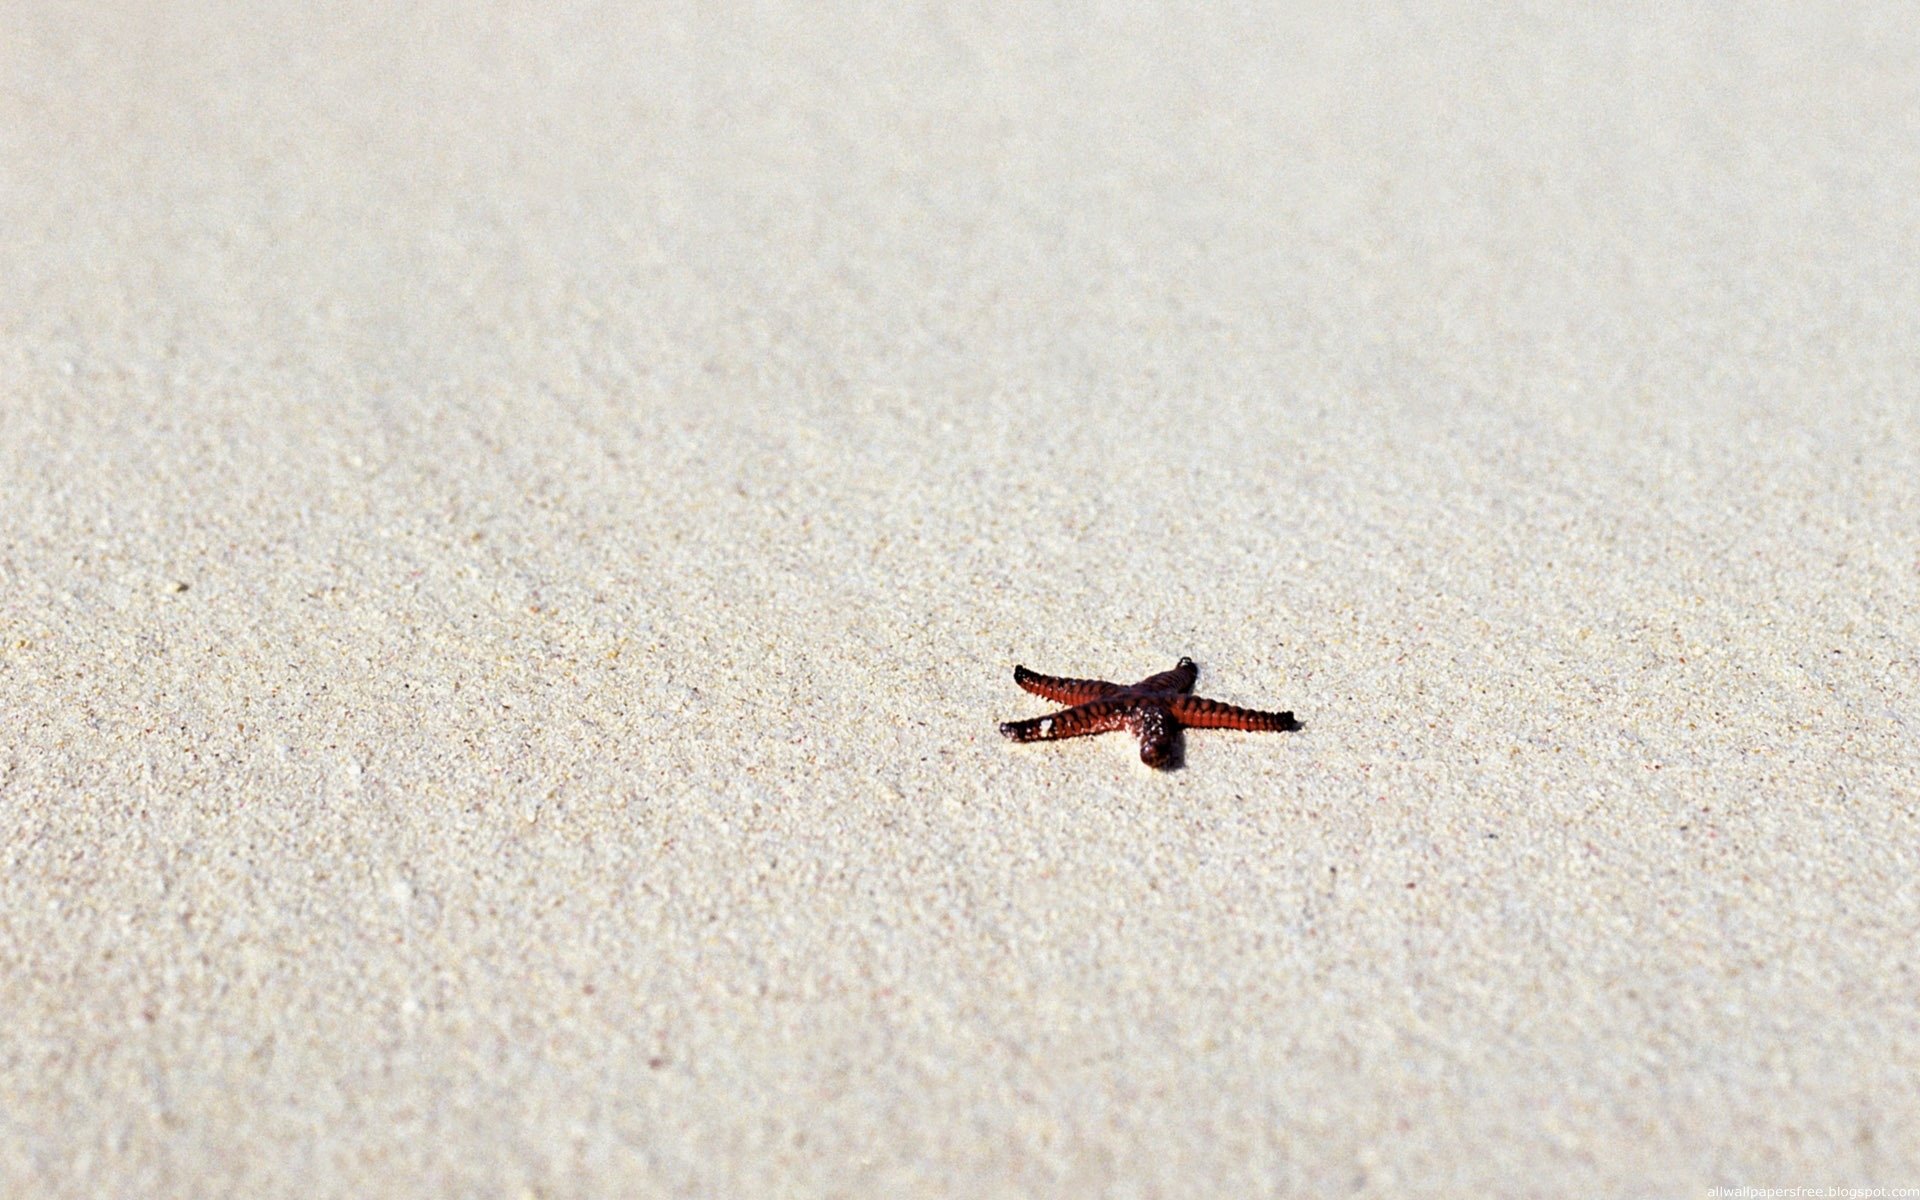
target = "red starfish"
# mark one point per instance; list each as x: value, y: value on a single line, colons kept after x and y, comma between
x: 1153, y: 710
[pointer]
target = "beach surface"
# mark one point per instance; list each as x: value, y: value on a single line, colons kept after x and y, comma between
x: 517, y: 522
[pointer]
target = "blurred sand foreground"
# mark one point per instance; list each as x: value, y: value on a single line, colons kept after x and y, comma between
x: 516, y: 526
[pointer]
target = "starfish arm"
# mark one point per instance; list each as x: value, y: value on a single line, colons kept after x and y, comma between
x: 1198, y: 713
x: 1095, y: 717
x: 1063, y: 691
x: 1158, y: 733
x: 1180, y: 679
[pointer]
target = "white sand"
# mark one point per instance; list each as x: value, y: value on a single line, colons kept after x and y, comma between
x: 515, y: 532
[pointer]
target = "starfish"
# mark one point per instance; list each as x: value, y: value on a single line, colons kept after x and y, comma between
x: 1153, y: 710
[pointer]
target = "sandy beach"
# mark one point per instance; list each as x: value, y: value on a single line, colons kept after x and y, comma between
x: 517, y: 523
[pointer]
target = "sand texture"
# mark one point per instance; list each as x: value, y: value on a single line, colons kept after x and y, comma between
x: 517, y: 521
